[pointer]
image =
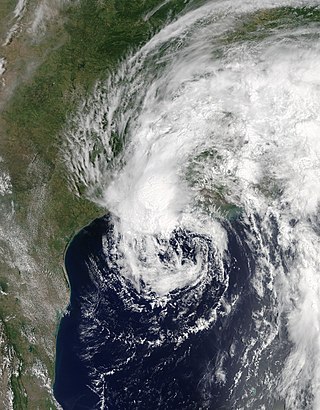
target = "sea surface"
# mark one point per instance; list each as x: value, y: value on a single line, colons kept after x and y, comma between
x: 134, y: 348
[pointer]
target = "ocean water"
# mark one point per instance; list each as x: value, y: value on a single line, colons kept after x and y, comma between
x: 199, y: 289
x: 139, y: 354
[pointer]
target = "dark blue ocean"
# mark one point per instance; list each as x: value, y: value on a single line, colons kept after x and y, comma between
x: 117, y: 350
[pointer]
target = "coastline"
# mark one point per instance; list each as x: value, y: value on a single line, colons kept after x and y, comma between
x: 76, y: 232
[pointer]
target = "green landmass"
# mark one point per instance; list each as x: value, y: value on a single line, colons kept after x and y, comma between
x: 84, y: 45
x: 262, y: 23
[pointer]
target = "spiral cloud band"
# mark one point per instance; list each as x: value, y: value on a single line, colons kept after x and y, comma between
x: 216, y: 182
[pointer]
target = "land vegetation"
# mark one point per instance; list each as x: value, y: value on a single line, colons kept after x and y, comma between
x: 49, y: 70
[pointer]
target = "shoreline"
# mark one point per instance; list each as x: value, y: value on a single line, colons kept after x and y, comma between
x: 74, y: 234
